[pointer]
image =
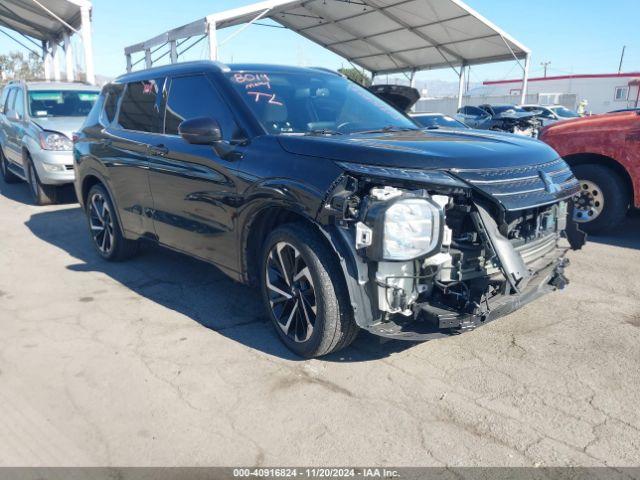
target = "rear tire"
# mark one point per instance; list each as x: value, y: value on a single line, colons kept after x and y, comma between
x: 41, y: 194
x: 603, y: 196
x: 106, y: 234
x: 7, y: 175
x: 304, y: 292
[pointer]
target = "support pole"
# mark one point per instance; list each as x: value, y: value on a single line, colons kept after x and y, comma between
x: 129, y: 64
x: 87, y: 43
x: 525, y: 79
x: 412, y: 79
x: 461, y: 85
x: 68, y: 57
x: 213, y: 40
x: 55, y: 60
x: 173, y: 51
x: 46, y: 60
x: 147, y: 58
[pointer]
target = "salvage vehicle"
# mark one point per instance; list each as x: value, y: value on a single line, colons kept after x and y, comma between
x: 436, y: 120
x: 604, y: 153
x: 551, y: 113
x: 400, y: 96
x: 36, y: 124
x: 339, y: 208
x: 505, y: 118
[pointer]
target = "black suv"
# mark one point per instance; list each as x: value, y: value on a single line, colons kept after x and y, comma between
x: 343, y: 211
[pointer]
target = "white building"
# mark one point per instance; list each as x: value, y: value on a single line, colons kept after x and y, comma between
x: 603, y: 92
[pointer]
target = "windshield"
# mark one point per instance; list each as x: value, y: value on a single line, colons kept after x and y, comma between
x: 307, y: 103
x: 61, y: 103
x: 564, y: 112
x: 432, y: 121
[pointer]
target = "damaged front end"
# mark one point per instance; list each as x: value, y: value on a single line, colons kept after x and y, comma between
x: 429, y: 253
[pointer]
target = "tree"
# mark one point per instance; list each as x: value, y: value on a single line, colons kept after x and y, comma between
x: 15, y: 66
x: 356, y: 75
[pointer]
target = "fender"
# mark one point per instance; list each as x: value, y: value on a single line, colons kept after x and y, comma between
x: 273, y: 193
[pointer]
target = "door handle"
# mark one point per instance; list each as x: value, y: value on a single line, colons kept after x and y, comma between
x: 159, y: 150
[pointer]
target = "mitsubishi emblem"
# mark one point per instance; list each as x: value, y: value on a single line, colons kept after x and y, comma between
x: 549, y: 185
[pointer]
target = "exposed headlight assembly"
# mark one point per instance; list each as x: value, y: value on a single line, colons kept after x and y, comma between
x: 55, y: 141
x: 404, y: 228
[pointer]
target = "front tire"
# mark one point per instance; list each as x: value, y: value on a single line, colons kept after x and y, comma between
x: 41, y: 194
x: 603, y: 200
x: 106, y: 234
x: 304, y: 292
x: 7, y: 175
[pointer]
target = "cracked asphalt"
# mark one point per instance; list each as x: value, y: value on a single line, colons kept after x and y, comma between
x: 163, y: 361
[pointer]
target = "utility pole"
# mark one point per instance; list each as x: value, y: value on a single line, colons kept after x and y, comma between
x: 621, y: 59
x: 545, y: 65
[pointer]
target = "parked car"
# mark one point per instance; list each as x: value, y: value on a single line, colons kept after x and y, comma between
x: 506, y: 118
x: 342, y: 211
x: 550, y: 114
x: 604, y: 153
x: 436, y: 120
x: 36, y: 123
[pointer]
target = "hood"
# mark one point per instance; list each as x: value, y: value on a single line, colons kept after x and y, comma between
x: 593, y: 122
x: 65, y: 125
x: 515, y: 115
x: 429, y: 149
x: 400, y: 96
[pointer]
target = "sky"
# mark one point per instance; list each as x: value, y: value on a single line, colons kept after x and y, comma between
x: 576, y: 36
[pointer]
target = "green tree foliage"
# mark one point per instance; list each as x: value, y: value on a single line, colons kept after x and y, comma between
x: 17, y: 66
x: 356, y: 75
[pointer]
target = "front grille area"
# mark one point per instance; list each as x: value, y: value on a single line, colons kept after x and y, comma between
x: 519, y: 188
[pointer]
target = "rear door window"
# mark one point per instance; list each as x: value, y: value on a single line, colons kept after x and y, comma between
x: 140, y: 107
x: 195, y: 96
x: 112, y: 95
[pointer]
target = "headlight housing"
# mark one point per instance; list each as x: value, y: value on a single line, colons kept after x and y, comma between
x: 55, y: 141
x: 411, y: 229
x: 404, y: 228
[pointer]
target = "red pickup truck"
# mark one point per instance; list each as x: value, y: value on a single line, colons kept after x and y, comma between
x: 604, y: 153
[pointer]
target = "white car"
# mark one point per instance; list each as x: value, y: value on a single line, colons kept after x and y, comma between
x: 551, y: 113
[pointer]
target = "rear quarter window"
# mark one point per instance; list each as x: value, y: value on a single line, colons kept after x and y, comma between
x: 3, y: 98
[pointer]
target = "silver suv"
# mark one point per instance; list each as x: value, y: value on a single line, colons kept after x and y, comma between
x: 36, y: 124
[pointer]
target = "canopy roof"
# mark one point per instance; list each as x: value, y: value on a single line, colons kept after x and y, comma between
x: 42, y: 19
x: 382, y: 36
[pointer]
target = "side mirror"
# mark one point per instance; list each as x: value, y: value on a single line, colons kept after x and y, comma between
x: 13, y: 116
x: 201, y: 131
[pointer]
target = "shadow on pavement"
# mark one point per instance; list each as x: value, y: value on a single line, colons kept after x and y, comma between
x: 19, y: 192
x: 626, y: 235
x: 190, y: 287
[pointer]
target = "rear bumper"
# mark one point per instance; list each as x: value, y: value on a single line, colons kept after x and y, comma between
x: 436, y: 321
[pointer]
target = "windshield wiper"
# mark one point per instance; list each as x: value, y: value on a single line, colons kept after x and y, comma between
x: 323, y: 131
x: 389, y: 129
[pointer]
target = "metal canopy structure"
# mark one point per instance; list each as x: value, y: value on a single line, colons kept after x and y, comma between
x: 53, y: 23
x: 382, y: 36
